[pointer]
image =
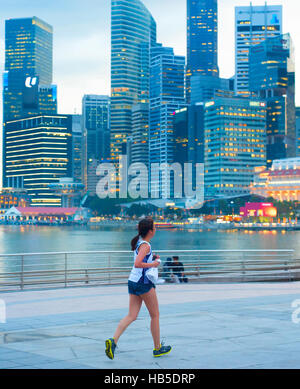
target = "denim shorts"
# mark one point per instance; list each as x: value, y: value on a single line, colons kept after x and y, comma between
x: 138, y: 288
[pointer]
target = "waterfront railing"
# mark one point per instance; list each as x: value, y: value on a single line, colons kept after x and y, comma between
x: 89, y: 268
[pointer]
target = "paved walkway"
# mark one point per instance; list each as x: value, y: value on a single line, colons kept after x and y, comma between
x: 208, y: 325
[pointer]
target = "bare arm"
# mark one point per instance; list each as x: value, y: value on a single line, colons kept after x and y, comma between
x: 143, y: 251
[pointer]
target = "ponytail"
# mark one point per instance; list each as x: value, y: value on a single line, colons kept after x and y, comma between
x: 145, y: 225
x: 134, y: 242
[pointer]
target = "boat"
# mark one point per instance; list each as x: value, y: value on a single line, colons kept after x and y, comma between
x: 161, y: 226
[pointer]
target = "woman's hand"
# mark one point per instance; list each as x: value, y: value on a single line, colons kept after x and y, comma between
x: 156, y: 263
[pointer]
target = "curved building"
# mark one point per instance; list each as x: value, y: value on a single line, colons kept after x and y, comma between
x: 133, y: 33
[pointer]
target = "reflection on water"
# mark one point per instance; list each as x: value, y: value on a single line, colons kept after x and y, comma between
x: 41, y: 239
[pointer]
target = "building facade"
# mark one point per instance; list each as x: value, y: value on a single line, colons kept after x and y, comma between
x: 202, y: 40
x: 204, y: 88
x: 235, y: 143
x: 281, y: 181
x: 28, y: 64
x: 253, y: 25
x: 298, y: 131
x: 272, y: 78
x: 37, y: 152
x: 133, y: 32
x: 77, y: 149
x: 166, y: 96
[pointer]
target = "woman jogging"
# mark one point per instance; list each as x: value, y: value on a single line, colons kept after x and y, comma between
x: 141, y: 289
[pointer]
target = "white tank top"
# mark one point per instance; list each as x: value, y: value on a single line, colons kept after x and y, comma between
x: 139, y: 274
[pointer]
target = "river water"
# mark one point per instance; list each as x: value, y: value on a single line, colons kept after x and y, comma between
x: 40, y: 239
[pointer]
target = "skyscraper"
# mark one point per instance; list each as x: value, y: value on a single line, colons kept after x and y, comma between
x: 202, y: 40
x: 166, y: 96
x: 28, y: 64
x: 235, y: 143
x: 253, y: 24
x: 272, y: 78
x: 37, y: 153
x: 133, y: 32
x: 298, y: 131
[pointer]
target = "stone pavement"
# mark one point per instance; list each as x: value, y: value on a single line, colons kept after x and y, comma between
x: 208, y: 325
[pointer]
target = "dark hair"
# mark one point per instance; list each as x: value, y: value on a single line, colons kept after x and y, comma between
x: 145, y: 225
x: 175, y: 257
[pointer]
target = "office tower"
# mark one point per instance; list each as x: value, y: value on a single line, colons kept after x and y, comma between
x: 166, y: 96
x: 96, y: 124
x: 205, y: 88
x: 298, y: 130
x: 28, y: 64
x: 253, y: 24
x: 77, y: 148
x: 202, y: 40
x: 139, y: 147
x: 133, y: 32
x: 272, y: 78
x: 37, y: 153
x: 235, y: 143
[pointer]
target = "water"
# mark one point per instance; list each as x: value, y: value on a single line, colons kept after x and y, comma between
x: 40, y: 239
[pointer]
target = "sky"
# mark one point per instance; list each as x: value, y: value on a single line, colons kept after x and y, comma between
x: 82, y: 39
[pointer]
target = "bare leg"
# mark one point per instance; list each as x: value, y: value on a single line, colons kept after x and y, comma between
x: 151, y: 302
x: 135, y: 303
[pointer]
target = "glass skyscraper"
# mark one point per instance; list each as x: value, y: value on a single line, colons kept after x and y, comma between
x: 166, y: 96
x: 28, y: 64
x: 235, y: 143
x: 202, y: 40
x: 272, y: 77
x: 38, y: 153
x: 253, y: 25
x: 133, y: 32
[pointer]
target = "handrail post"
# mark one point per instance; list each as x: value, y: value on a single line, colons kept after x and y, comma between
x: 22, y: 272
x: 66, y: 269
x: 109, y: 269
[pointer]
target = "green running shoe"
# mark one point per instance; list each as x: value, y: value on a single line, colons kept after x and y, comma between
x: 163, y: 350
x: 110, y: 348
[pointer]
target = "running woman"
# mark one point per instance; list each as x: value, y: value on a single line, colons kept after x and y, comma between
x: 141, y: 290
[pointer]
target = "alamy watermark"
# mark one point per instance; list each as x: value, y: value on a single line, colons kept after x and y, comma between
x: 2, y: 312
x: 296, y: 312
x: 158, y: 181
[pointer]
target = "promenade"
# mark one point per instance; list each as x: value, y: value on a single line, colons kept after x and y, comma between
x: 209, y: 326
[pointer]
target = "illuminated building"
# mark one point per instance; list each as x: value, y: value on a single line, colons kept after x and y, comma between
x: 139, y: 145
x: 133, y: 32
x: 13, y: 197
x: 281, y: 181
x: 77, y: 149
x: 272, y: 78
x: 202, y: 40
x: 28, y: 64
x: 37, y: 152
x: 258, y: 210
x: 253, y: 24
x: 235, y: 143
x: 166, y: 96
x: 68, y: 191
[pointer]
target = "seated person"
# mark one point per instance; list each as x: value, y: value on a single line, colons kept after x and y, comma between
x: 167, y: 270
x: 178, y: 270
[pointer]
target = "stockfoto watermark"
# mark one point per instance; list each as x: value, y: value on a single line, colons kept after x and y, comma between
x: 2, y: 312
x: 138, y: 181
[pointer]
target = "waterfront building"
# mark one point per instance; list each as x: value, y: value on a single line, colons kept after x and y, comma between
x: 205, y: 88
x: 281, y: 181
x: 166, y: 96
x: 258, y: 210
x: 37, y: 152
x: 92, y: 178
x: 202, y: 40
x: 47, y: 215
x: 253, y: 25
x: 28, y: 64
x: 272, y: 78
x: 235, y: 143
x: 133, y: 33
x: 298, y: 131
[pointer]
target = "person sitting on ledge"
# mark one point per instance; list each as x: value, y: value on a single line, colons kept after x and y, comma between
x: 178, y: 270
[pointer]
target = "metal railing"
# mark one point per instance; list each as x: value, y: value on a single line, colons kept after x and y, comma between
x: 64, y: 269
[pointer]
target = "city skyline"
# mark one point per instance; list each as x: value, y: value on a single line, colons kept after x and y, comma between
x: 86, y: 70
